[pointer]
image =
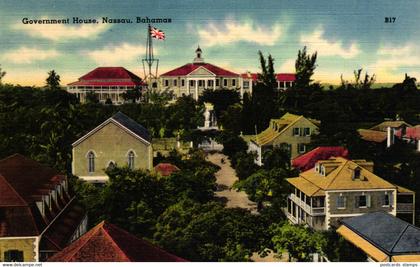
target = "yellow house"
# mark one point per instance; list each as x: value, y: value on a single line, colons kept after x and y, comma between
x: 118, y: 141
x: 291, y: 131
x: 339, y: 188
x: 38, y: 214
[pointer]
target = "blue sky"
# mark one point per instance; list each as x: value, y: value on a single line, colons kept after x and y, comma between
x: 347, y: 35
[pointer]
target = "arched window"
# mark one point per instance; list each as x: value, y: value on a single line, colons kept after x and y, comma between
x: 131, y: 160
x: 91, y: 161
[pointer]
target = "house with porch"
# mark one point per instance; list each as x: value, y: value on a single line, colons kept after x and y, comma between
x: 293, y: 132
x: 284, y: 81
x: 193, y: 78
x: 340, y: 188
x: 39, y: 215
x: 108, y: 84
x: 118, y: 141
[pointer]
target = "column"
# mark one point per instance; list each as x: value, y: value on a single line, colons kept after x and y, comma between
x: 214, y: 83
x: 196, y: 90
x: 188, y: 85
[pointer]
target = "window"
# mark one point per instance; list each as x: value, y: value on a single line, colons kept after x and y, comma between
x: 356, y: 173
x: 322, y: 170
x: 13, y: 255
x: 225, y: 82
x: 182, y: 82
x: 191, y: 83
x: 233, y: 82
x: 246, y: 84
x: 307, y: 131
x: 111, y: 165
x: 386, y: 199
x: 341, y: 202
x: 296, y: 131
x: 209, y: 83
x: 301, y: 148
x: 217, y: 82
x: 175, y: 82
x: 282, y: 85
x: 200, y: 83
x: 131, y: 160
x: 166, y: 82
x: 91, y: 161
x: 363, y: 201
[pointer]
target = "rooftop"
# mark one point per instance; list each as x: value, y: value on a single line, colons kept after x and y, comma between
x: 109, y: 243
x: 339, y: 176
x: 166, y: 169
x: 307, y: 161
x: 108, y: 76
x: 390, y: 235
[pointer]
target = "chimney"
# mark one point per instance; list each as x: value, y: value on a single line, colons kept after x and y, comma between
x: 389, y: 136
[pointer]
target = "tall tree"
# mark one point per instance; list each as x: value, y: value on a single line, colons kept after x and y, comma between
x: 267, y: 75
x: 2, y: 74
x: 53, y: 80
x: 305, y: 66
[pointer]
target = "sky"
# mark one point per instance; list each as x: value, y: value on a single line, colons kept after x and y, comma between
x: 347, y: 35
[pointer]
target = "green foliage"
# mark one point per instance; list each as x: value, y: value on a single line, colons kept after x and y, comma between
x: 244, y: 164
x: 132, y: 94
x: 232, y: 143
x: 359, y: 83
x: 267, y: 75
x: 305, y: 66
x: 221, y: 99
x: 298, y: 241
x: 209, y: 232
x: 53, y: 80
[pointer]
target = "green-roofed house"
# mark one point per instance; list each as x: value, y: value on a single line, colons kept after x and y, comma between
x: 291, y: 131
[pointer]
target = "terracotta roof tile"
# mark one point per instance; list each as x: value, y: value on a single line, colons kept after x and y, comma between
x: 107, y: 242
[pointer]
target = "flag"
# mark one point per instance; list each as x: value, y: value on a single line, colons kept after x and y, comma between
x: 156, y: 33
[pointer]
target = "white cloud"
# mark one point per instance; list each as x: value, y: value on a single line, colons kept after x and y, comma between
x: 25, y: 55
x: 117, y: 54
x: 58, y: 32
x: 232, y: 31
x: 287, y: 66
x: 391, y: 59
x: 317, y: 42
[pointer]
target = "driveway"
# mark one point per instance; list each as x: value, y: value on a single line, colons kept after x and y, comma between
x: 225, y: 178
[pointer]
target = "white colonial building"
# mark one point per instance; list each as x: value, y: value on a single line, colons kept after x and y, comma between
x: 193, y: 78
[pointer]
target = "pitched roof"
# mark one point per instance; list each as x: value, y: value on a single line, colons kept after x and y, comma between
x: 166, y: 169
x: 126, y: 123
x: 391, y: 235
x: 393, y: 124
x: 109, y: 76
x: 107, y: 242
x: 283, y: 77
x: 339, y: 177
x: 277, y: 127
x: 190, y: 67
x: 307, y: 161
x: 23, y: 180
x: 372, y: 135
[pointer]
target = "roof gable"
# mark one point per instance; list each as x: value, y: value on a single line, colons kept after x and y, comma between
x: 124, y: 122
x: 201, y: 71
x: 107, y: 242
x: 190, y: 67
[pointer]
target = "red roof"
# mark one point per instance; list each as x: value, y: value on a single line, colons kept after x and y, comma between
x: 109, y: 76
x: 410, y: 133
x: 109, y: 243
x: 307, y: 161
x: 190, y: 67
x: 23, y: 182
x: 281, y: 77
x: 166, y: 169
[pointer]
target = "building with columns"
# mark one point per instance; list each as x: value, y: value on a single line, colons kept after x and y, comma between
x: 193, y: 78
x: 107, y: 83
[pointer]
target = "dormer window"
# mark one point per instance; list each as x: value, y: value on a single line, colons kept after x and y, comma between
x: 356, y: 173
x: 317, y: 167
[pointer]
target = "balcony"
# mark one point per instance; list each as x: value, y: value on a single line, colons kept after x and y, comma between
x: 313, y: 211
x: 405, y: 207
